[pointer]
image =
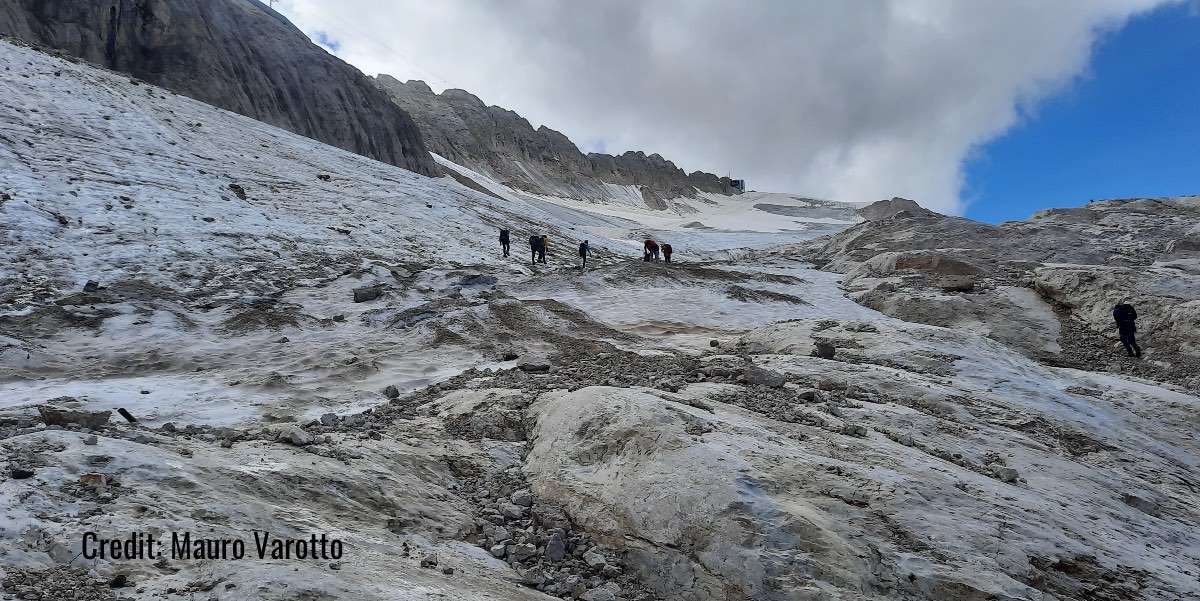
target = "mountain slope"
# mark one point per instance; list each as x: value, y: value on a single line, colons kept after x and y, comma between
x: 238, y: 55
x: 620, y: 455
x: 500, y: 143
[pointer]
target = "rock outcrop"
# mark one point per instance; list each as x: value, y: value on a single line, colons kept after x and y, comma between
x: 1034, y: 284
x: 502, y: 144
x: 238, y: 55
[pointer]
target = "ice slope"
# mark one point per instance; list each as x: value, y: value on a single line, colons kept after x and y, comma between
x: 141, y: 190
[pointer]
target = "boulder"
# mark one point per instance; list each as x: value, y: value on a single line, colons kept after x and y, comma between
x: 823, y: 350
x: 296, y: 435
x: 366, y: 293
x: 594, y: 560
x: 556, y: 549
x: 757, y: 376
x: 60, y: 415
x: 524, y: 498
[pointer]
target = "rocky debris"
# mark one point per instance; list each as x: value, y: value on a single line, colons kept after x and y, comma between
x: 547, y: 551
x: 956, y: 283
x: 429, y: 561
x: 824, y: 350
x: 366, y: 293
x: 91, y: 286
x: 534, y: 367
x: 391, y: 392
x: 329, y: 419
x: 54, y: 584
x: 239, y: 56
x: 61, y: 412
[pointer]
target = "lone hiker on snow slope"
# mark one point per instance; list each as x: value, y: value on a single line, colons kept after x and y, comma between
x: 1125, y: 316
x: 584, y: 249
x: 537, y: 244
x: 504, y: 241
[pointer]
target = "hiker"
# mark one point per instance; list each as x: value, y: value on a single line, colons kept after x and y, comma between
x: 1125, y: 316
x: 545, y: 247
x: 666, y: 250
x: 650, y: 251
x: 584, y: 249
x: 538, y: 247
x: 504, y: 241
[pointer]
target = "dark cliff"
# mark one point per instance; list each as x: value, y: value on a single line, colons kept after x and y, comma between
x: 459, y: 126
x: 238, y: 55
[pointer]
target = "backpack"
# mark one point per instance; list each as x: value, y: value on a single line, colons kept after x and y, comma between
x: 583, y: 248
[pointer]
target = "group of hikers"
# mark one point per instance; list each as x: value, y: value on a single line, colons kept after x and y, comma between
x: 540, y: 245
x: 1124, y: 313
x: 651, y: 249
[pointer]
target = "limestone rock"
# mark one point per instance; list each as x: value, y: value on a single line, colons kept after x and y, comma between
x: 757, y: 376
x: 239, y: 55
x: 498, y: 142
x: 297, y: 436
x: 60, y: 413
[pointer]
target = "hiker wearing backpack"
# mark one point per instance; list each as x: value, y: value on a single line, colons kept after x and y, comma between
x: 666, y: 251
x: 538, y: 246
x: 504, y: 241
x: 650, y: 251
x: 584, y: 248
x: 1125, y: 316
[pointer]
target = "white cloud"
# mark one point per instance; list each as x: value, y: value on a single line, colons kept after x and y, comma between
x: 853, y: 100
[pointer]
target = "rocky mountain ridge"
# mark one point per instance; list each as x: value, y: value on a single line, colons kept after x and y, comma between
x: 239, y: 55
x: 462, y: 128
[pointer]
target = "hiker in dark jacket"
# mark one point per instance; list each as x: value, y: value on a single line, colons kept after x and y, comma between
x: 584, y: 249
x: 666, y: 250
x: 504, y: 241
x: 1125, y: 316
x: 538, y: 246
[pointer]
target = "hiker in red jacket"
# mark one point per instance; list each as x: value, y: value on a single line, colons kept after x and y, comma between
x: 666, y: 250
x: 650, y: 251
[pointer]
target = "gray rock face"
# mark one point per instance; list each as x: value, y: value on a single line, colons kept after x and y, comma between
x: 501, y: 143
x: 238, y: 55
x: 1027, y: 278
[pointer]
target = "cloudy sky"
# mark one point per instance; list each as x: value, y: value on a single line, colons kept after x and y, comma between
x: 850, y: 100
